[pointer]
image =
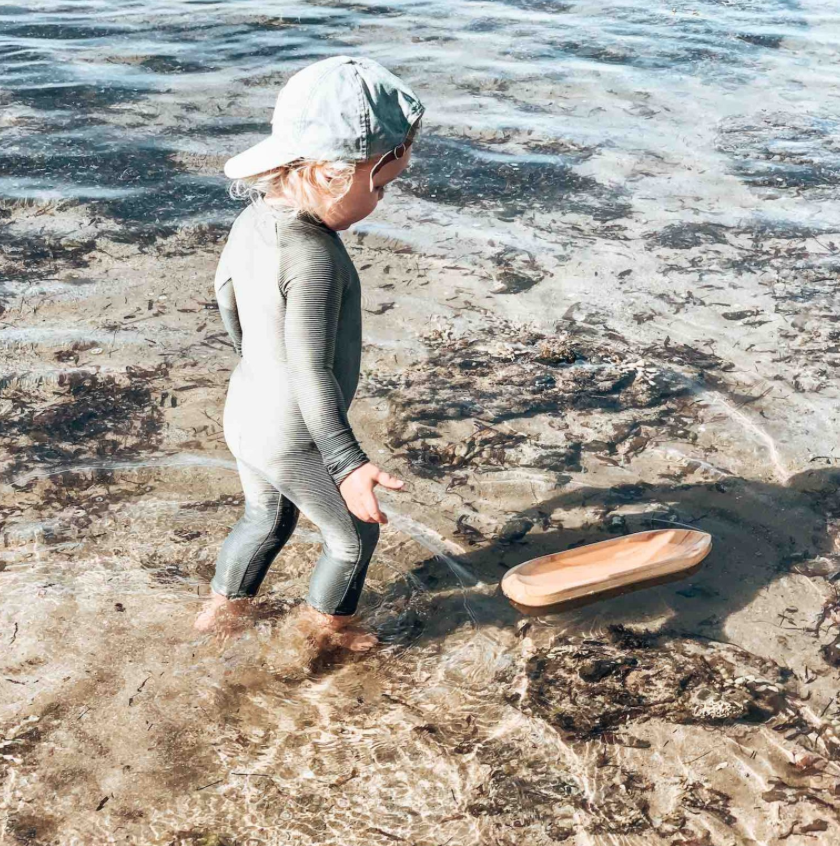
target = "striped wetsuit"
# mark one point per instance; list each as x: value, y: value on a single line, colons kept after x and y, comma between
x: 290, y: 299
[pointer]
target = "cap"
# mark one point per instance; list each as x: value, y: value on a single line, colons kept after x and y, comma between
x: 343, y: 107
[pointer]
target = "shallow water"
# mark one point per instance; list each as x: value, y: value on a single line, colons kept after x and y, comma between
x: 133, y: 106
x: 658, y: 181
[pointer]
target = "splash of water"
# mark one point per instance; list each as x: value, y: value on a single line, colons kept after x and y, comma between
x: 442, y: 549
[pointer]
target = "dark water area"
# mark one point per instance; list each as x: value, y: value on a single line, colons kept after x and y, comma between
x: 131, y: 108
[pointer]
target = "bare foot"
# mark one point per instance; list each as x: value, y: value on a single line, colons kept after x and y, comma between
x: 357, y: 639
x: 328, y: 630
x: 222, y: 615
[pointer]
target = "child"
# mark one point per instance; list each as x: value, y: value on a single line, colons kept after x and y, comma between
x: 290, y: 299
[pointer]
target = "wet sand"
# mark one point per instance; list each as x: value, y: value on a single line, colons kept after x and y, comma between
x: 696, y: 712
x: 603, y: 299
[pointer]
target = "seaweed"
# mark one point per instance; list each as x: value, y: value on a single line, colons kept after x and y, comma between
x: 684, y: 236
x: 593, y: 687
x: 457, y: 172
x: 28, y: 258
x: 90, y: 415
x: 505, y: 371
x: 784, y: 151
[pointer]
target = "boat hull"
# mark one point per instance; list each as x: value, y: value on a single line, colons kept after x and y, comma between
x: 606, y: 568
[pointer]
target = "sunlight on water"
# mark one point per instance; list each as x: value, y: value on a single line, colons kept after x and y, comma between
x: 656, y: 176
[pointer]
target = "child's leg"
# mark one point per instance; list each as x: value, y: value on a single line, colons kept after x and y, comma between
x: 349, y: 543
x: 339, y: 575
x: 340, y: 571
x: 255, y: 540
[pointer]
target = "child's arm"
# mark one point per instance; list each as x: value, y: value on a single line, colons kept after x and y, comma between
x: 226, y: 298
x: 313, y: 300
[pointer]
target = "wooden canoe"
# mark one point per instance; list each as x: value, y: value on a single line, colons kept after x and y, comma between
x: 605, y: 566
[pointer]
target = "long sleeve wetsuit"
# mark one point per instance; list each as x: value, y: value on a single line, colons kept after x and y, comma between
x: 290, y: 299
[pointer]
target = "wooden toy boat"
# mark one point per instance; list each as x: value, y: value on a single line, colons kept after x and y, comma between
x: 640, y: 559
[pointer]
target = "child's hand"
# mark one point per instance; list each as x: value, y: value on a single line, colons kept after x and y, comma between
x: 357, y: 490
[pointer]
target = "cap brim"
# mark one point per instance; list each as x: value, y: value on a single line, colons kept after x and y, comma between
x: 267, y: 154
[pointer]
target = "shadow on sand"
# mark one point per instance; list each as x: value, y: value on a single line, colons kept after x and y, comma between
x: 761, y: 531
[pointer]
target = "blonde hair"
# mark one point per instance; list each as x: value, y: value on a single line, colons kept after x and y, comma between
x: 302, y: 185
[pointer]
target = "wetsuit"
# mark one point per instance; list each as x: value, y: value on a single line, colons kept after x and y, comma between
x: 290, y: 299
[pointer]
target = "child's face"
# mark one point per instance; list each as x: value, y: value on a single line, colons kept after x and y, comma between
x: 360, y: 201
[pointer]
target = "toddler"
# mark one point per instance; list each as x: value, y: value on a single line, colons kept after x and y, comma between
x: 290, y: 299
